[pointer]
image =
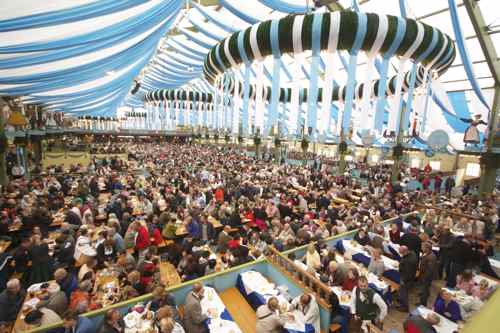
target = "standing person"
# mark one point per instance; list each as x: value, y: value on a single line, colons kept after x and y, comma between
x: 367, y: 305
x: 461, y: 254
x: 306, y: 304
x: 268, y: 318
x: 428, y: 272
x: 193, y: 317
x: 449, y: 184
x: 41, y: 266
x: 412, y: 241
x: 445, y: 241
x: 437, y: 183
x: 407, y: 271
x: 142, y: 241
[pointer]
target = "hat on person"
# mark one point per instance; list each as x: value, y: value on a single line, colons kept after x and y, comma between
x: 33, y: 317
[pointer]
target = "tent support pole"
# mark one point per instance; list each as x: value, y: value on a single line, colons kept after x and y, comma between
x: 490, y: 161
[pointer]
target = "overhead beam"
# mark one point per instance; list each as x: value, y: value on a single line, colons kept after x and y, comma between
x: 484, y: 38
x: 489, y: 160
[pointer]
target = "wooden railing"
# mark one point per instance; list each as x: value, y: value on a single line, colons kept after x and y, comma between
x: 440, y: 211
x: 301, y: 277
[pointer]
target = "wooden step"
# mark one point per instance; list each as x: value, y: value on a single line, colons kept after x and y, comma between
x: 239, y: 309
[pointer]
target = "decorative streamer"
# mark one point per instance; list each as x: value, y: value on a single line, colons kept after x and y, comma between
x: 312, y: 106
x: 275, y: 92
x: 382, y: 87
x: 462, y: 49
x: 351, y: 79
x: 329, y: 72
x: 259, y: 96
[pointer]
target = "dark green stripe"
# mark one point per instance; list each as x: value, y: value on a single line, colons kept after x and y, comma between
x: 307, y: 32
x: 285, y: 34
x: 437, y: 48
x: 392, y: 28
x: 425, y: 42
x: 325, y: 30
x: 348, y: 29
x: 371, y: 31
x: 263, y: 39
x: 246, y: 44
x: 233, y: 48
x: 409, y: 37
x: 222, y: 54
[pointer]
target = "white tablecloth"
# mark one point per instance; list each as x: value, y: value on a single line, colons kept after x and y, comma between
x: 352, y: 247
x: 213, y: 307
x: 445, y: 325
x: 254, y: 281
x: 495, y: 264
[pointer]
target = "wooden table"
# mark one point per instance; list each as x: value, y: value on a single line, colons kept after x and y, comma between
x: 4, y: 245
x: 169, y: 275
x: 19, y: 324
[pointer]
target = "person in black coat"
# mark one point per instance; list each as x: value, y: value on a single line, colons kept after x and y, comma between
x: 112, y: 322
x: 461, y: 255
x: 412, y: 241
x: 41, y: 262
x: 362, y: 237
x: 407, y: 270
x: 106, y: 252
x: 64, y: 250
x: 11, y: 301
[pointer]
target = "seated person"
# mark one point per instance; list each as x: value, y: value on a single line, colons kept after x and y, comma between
x: 482, y: 291
x: 376, y: 265
x: 465, y: 281
x: 362, y: 237
x: 42, y: 317
x: 447, y: 307
x: 352, y: 279
x: 421, y: 324
x: 306, y: 304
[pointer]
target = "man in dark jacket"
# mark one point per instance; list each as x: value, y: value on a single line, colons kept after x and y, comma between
x: 412, y: 241
x: 11, y: 300
x: 428, y: 272
x: 461, y: 255
x: 407, y: 271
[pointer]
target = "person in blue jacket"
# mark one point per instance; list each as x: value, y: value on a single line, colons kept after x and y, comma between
x: 447, y: 307
x: 73, y: 323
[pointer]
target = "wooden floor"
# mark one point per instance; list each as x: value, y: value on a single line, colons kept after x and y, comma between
x: 240, y: 310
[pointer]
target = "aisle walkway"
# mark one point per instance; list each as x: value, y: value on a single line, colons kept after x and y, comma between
x: 240, y: 310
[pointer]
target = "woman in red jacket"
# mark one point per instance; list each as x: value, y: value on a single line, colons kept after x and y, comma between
x: 142, y: 241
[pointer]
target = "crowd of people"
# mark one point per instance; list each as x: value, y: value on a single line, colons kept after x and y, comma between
x: 206, y: 208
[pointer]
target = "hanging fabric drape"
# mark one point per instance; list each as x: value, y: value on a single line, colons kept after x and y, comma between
x: 329, y: 73
x: 312, y: 106
x: 259, y: 96
x: 462, y: 49
x: 276, y: 82
x: 351, y: 72
x: 382, y: 87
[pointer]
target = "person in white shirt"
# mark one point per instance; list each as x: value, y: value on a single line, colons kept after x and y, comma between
x: 312, y: 258
x: 82, y: 242
x: 367, y: 305
x: 306, y: 304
